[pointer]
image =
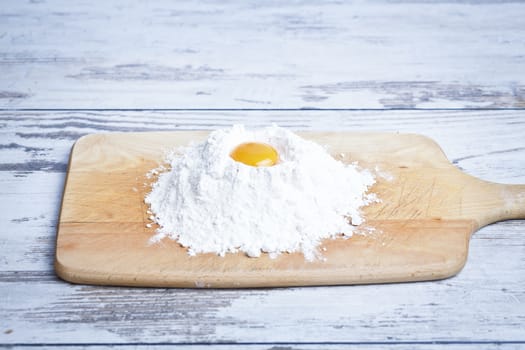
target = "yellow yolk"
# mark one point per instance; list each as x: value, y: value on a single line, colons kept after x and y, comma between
x: 255, y: 154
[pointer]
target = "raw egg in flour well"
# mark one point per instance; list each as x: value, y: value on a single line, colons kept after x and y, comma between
x: 255, y: 154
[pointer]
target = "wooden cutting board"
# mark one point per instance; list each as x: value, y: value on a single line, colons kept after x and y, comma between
x: 421, y: 229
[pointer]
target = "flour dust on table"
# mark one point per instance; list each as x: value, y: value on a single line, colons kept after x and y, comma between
x: 257, y: 191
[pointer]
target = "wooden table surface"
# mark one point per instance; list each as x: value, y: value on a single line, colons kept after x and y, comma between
x: 451, y: 70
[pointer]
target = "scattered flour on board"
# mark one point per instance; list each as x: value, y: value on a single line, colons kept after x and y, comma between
x: 210, y: 203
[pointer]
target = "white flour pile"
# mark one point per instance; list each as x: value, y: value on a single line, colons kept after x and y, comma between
x: 210, y: 203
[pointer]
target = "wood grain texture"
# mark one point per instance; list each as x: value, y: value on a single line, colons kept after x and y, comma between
x: 292, y: 346
x: 232, y: 54
x: 248, y: 54
x: 421, y: 227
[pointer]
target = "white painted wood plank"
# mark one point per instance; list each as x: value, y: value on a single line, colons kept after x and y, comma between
x: 297, y: 346
x: 484, y: 303
x: 238, y: 54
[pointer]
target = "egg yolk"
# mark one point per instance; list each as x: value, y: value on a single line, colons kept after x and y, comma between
x: 255, y: 154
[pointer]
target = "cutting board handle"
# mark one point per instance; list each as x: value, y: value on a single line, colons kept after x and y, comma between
x: 496, y: 202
